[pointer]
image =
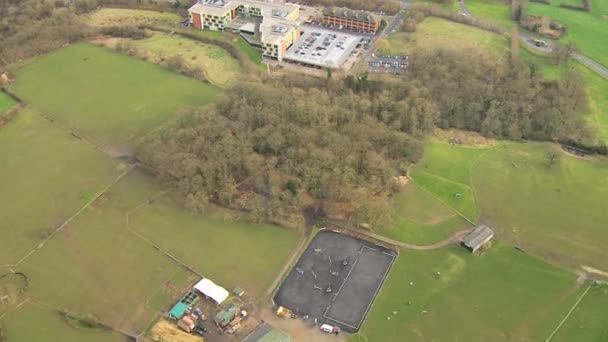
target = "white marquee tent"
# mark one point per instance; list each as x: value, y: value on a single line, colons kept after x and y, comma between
x: 209, y: 289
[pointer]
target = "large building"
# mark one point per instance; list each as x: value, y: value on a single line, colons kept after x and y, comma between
x: 361, y: 21
x: 278, y: 22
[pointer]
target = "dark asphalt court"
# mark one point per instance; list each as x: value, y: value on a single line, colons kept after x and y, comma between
x: 336, y: 280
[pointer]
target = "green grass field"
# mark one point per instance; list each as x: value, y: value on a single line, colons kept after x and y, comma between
x: 230, y: 252
x: 495, y: 10
x: 444, y: 171
x: 558, y: 213
x: 504, y: 295
x: 36, y: 323
x: 131, y: 17
x: 419, y: 218
x: 6, y: 102
x: 584, y: 29
x: 588, y: 320
x: 218, y: 65
x: 47, y: 175
x: 435, y: 33
x: 95, y: 266
x: 109, y: 98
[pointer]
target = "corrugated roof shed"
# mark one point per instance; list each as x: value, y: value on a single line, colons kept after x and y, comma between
x: 351, y: 14
x: 479, y: 236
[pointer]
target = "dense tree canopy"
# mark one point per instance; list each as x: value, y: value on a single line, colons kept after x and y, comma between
x: 277, y: 147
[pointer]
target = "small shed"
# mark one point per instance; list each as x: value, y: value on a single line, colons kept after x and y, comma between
x: 477, y: 238
x: 179, y: 309
x: 238, y: 291
x: 186, y: 324
x: 209, y: 289
x: 224, y: 317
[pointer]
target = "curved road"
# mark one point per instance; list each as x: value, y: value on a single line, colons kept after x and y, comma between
x: 528, y: 39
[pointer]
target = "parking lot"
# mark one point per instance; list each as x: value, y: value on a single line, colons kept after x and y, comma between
x: 322, y: 48
x: 336, y: 280
x: 392, y: 64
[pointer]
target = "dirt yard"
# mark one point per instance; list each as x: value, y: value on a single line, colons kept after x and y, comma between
x: 169, y: 332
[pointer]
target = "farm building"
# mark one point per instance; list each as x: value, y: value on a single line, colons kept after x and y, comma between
x: 209, y: 289
x: 354, y: 20
x: 179, y: 309
x: 477, y: 238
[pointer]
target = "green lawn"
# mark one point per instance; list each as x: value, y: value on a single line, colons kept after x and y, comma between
x: 230, y: 252
x: 47, y: 175
x: 95, y: 266
x: 36, y: 323
x: 559, y: 212
x: 503, y: 295
x: 495, y: 10
x: 586, y: 30
x: 444, y: 171
x: 419, y: 218
x: 6, y: 102
x: 131, y: 17
x: 109, y: 98
x: 433, y: 33
x: 172, y: 290
x: 218, y: 66
x: 588, y: 320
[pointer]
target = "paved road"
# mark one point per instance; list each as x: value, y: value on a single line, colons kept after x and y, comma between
x: 396, y: 21
x: 527, y: 39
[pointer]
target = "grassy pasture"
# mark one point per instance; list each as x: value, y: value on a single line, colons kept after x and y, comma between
x: 444, y: 171
x: 6, y: 102
x: 95, y: 266
x: 36, y: 323
x: 588, y: 320
x: 584, y: 29
x: 172, y: 290
x: 128, y: 17
x: 433, y: 33
x: 419, y: 218
x: 230, y: 252
x: 487, y: 298
x: 557, y: 212
x: 217, y: 64
x: 47, y: 175
x: 494, y: 10
x: 109, y: 98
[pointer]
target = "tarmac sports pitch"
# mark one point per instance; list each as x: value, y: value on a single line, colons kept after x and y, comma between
x: 325, y: 288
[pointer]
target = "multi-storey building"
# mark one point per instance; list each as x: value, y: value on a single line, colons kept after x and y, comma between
x: 362, y: 21
x: 279, y: 26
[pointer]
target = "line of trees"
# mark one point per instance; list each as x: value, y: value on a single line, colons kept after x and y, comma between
x: 277, y: 147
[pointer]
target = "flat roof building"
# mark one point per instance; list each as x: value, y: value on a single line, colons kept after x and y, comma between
x: 279, y: 26
x: 477, y: 238
x: 361, y: 21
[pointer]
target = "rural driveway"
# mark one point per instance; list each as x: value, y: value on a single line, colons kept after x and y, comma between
x: 528, y: 40
x: 455, y: 238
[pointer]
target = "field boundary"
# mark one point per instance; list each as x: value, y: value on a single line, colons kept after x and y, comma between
x: 442, y: 201
x: 144, y: 239
x: 569, y: 313
x: 66, y: 222
x: 394, y: 244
